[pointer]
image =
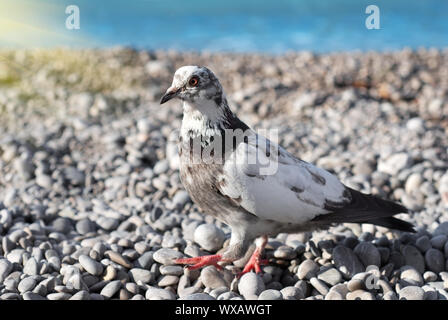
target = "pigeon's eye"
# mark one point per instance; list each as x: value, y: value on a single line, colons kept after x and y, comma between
x: 194, y: 81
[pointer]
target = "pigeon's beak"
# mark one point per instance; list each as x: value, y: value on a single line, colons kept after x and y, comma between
x: 170, y: 94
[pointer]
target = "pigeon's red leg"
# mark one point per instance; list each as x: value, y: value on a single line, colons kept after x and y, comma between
x: 255, y: 261
x: 198, y: 262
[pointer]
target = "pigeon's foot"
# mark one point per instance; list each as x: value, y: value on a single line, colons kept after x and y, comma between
x: 255, y: 262
x: 202, y: 261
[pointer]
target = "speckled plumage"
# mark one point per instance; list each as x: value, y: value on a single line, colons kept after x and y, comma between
x: 296, y: 197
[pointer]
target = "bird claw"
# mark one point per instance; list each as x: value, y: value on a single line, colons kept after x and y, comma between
x: 254, y: 263
x: 198, y: 262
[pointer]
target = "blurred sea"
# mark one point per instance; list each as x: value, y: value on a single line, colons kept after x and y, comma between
x: 273, y: 26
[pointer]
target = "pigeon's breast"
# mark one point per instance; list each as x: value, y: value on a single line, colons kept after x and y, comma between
x: 200, y: 179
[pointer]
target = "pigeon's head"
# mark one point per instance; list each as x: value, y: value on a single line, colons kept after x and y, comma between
x: 195, y: 85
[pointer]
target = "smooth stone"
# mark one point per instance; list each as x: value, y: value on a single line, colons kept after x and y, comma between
x: 334, y: 295
x: 423, y: 243
x: 435, y: 260
x: 159, y: 294
x: 270, y: 294
x: 107, y: 223
x: 27, y: 284
x: 390, y: 296
x: 430, y: 276
x: 285, y: 252
x: 331, y: 276
x: 180, y: 199
x: 59, y: 296
x: 320, y: 286
x: 111, y: 289
x: 167, y: 256
x: 138, y: 274
x: 368, y: 254
x: 168, y: 280
x: 31, y: 267
x: 198, y: 296
x: 412, y: 293
x: 394, y: 163
x: 5, y: 268
x: 438, y: 242
x: 118, y: 258
x: 91, y: 266
x: 414, y: 258
x: 145, y: 260
x: 346, y: 261
x: 212, y: 278
x: 307, y: 269
x: 62, y: 225
x: 411, y: 276
x: 250, y: 284
x: 292, y: 293
x: 172, y: 270
x: 85, y: 226
x: 32, y: 296
x: 209, y: 237
x: 81, y: 295
x: 443, y: 227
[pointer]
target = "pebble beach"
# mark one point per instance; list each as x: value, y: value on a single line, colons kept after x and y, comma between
x: 92, y: 207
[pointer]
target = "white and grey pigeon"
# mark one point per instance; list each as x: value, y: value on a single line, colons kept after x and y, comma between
x: 223, y: 179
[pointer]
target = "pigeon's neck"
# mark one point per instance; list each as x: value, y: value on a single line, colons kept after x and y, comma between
x: 208, y: 118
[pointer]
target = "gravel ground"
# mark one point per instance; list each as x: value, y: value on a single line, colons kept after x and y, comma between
x: 91, y: 205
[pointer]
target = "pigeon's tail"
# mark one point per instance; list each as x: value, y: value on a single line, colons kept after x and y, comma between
x: 364, y: 208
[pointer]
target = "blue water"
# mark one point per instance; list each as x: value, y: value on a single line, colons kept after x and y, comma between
x: 247, y: 25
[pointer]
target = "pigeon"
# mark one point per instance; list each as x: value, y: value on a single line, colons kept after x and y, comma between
x: 251, y: 183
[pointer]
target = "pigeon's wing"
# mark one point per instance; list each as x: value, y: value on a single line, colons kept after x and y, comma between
x: 272, y: 184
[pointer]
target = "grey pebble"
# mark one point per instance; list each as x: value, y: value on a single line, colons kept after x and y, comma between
x: 270, y: 294
x: 414, y: 258
x: 250, y: 284
x: 59, y: 296
x: 91, y: 266
x: 167, y: 256
x: 435, y: 260
x: 85, y: 226
x: 212, y: 278
x: 423, y: 243
x: 81, y: 295
x: 31, y: 267
x: 159, y: 294
x: 138, y: 274
x: 285, y: 252
x: 319, y: 285
x: 27, y: 284
x: 307, y: 269
x: 111, y: 289
x: 33, y: 296
x: 172, y: 270
x: 368, y: 254
x: 5, y: 269
x: 209, y: 237
x: 167, y: 280
x: 411, y: 293
x: 331, y: 276
x: 198, y: 296
x: 411, y: 276
x: 346, y: 261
